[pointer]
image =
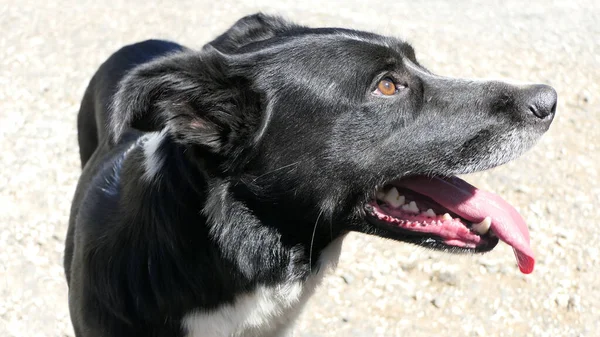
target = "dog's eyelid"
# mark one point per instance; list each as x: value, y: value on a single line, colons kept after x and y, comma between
x: 401, y: 85
x: 393, y: 76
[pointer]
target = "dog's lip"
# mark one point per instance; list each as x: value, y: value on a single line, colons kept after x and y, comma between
x: 450, y: 234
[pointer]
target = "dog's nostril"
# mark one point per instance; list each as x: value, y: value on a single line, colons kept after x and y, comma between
x: 534, y: 111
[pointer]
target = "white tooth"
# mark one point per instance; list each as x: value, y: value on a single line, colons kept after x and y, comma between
x: 380, y: 195
x: 429, y: 213
x: 484, y: 226
x: 411, y: 207
x: 393, y: 198
x: 446, y: 216
x: 401, y: 199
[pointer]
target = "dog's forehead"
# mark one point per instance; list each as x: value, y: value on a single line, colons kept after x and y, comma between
x: 366, y: 40
x: 394, y: 44
x: 329, y: 47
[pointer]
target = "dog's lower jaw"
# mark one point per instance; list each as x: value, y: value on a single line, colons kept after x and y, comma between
x: 266, y: 311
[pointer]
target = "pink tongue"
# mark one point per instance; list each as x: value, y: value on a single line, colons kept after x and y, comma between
x: 474, y: 205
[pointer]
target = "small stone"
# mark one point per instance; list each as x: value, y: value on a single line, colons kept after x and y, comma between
x: 536, y: 208
x: 477, y: 332
x: 562, y: 300
x: 490, y: 266
x: 584, y: 97
x: 438, y: 302
x: 348, y: 279
x: 574, y: 303
x: 447, y: 278
x: 408, y: 266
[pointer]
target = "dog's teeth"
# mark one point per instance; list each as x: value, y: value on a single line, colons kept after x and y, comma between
x: 429, y: 213
x: 393, y: 198
x: 380, y: 195
x: 446, y: 217
x: 401, y: 199
x: 484, y: 226
x: 411, y: 207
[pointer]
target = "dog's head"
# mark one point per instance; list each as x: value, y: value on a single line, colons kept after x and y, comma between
x: 346, y: 128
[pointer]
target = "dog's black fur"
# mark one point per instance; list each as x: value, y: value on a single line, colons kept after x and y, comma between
x: 272, y: 142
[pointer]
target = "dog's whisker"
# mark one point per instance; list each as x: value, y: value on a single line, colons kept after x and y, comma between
x: 275, y: 170
x: 312, y: 241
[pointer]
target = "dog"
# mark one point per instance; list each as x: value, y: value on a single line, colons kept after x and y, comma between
x: 218, y: 184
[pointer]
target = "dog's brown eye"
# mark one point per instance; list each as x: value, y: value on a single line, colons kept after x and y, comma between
x: 386, y: 87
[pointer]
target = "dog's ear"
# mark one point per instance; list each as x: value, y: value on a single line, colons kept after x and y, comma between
x: 250, y: 29
x: 194, y: 95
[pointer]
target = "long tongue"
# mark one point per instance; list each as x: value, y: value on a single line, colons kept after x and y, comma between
x: 474, y: 205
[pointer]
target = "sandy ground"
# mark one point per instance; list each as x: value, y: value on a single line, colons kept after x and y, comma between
x: 49, y: 50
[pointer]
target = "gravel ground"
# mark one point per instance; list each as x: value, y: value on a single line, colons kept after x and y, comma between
x: 49, y: 51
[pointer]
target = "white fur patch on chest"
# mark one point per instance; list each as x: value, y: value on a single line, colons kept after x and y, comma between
x: 267, y: 311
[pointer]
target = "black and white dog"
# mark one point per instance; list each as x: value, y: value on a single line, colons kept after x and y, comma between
x: 218, y: 184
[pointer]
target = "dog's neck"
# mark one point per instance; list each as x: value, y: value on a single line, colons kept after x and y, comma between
x: 175, y: 219
x: 261, y: 243
x: 221, y: 200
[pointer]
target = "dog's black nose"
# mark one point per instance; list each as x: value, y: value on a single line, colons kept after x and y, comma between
x: 541, y: 100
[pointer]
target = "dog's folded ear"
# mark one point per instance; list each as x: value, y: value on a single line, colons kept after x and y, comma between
x: 195, y: 95
x: 251, y: 29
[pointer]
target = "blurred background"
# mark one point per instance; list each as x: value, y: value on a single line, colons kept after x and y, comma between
x: 50, y: 49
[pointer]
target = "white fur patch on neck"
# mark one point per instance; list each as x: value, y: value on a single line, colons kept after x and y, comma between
x: 261, y: 312
x: 267, y: 311
x: 153, y: 159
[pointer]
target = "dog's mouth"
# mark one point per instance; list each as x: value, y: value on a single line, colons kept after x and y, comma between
x: 450, y: 213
